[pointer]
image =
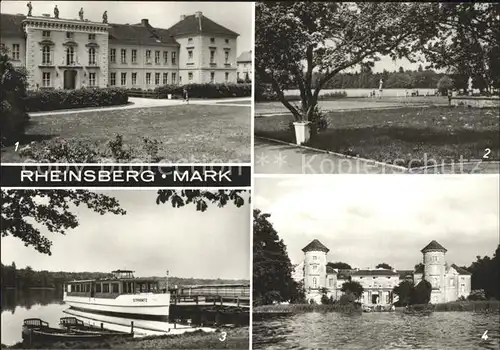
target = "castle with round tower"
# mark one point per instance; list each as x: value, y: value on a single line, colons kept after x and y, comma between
x: 449, y: 282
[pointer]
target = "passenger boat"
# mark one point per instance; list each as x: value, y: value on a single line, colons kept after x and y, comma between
x: 121, y: 295
x: 37, y: 331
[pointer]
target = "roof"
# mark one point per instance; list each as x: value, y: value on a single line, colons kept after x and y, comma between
x: 140, y: 34
x: 376, y: 272
x: 315, y: 245
x: 199, y: 25
x: 11, y: 25
x: 245, y: 56
x: 461, y: 270
x: 433, y: 245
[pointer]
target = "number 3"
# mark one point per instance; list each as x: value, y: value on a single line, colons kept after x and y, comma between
x: 223, y: 336
x: 487, y: 152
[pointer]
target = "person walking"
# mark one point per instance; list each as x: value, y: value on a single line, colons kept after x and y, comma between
x: 185, y: 95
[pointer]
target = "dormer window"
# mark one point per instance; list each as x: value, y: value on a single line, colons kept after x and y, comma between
x: 46, y: 34
x: 69, y: 35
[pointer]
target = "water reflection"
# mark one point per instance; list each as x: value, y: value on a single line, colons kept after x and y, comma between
x: 443, y: 330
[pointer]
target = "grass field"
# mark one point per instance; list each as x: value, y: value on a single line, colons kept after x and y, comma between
x: 237, y: 338
x: 189, y: 133
x: 410, y: 137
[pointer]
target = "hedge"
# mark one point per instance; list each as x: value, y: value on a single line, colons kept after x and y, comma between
x: 207, y: 90
x: 50, y: 100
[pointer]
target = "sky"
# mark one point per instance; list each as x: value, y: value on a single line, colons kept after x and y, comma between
x: 368, y: 219
x: 149, y: 240
x: 237, y: 16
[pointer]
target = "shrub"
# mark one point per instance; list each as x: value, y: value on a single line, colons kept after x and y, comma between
x: 50, y: 100
x: 444, y: 85
x: 13, y: 116
x: 206, y: 90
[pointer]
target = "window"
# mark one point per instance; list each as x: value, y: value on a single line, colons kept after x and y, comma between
x: 123, y: 55
x: 134, y: 78
x: 212, y: 40
x: 69, y: 35
x: 116, y: 287
x: 173, y: 58
x: 190, y: 54
x: 148, y: 78
x: 91, y: 36
x: 190, y: 76
x: 165, y: 78
x: 134, y: 56
x: 157, y: 78
x: 112, y: 55
x: 315, y: 268
x: 98, y: 288
x: 91, y: 79
x: 46, y: 55
x: 105, y: 286
x: 435, y: 258
x: 92, y: 55
x: 212, y: 77
x: 157, y: 57
x: 46, y: 34
x: 190, y: 40
x: 174, y: 76
x: 452, y: 282
x: 212, y: 56
x: 226, y: 57
x: 462, y: 288
x: 70, y: 55
x: 165, y: 57
x: 330, y: 282
x: 315, y: 257
x: 226, y: 41
x: 315, y: 282
x: 123, y: 79
x: 112, y: 79
x: 227, y: 77
x: 15, y: 51
x: 148, y: 56
x: 46, y: 79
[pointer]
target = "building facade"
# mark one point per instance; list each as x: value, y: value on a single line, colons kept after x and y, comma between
x: 244, y: 66
x: 71, y: 54
x: 449, y: 282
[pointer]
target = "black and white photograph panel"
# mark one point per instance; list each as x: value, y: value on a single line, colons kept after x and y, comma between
x: 109, y: 82
x: 376, y: 262
x: 367, y: 87
x: 128, y: 269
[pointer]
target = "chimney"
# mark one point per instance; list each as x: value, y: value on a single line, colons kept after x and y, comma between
x: 198, y: 14
x: 183, y: 17
x: 145, y: 21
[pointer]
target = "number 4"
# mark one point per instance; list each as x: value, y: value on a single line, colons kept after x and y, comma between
x: 487, y: 152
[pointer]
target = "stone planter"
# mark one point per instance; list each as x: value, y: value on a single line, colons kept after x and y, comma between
x: 302, y: 132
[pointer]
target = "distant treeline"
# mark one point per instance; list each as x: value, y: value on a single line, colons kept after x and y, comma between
x: 27, y: 278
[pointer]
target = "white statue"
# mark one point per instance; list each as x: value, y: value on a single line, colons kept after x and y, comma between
x: 469, y: 85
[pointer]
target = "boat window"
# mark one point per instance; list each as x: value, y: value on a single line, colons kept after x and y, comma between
x: 105, y: 287
x: 98, y: 288
x: 116, y: 288
x: 87, y: 288
x: 77, y: 288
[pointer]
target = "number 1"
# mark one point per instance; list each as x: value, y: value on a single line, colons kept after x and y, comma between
x: 17, y: 146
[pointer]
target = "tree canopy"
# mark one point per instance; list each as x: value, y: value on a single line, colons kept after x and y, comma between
x: 339, y: 265
x: 384, y: 266
x: 353, y: 287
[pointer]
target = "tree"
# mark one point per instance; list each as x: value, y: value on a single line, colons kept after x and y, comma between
x: 200, y: 198
x: 420, y: 68
x: 485, y: 274
x: 339, y: 265
x: 384, y: 266
x: 401, y: 70
x: 404, y: 291
x: 444, y: 85
x: 421, y: 293
x: 272, y: 270
x: 293, y: 39
x: 353, y: 287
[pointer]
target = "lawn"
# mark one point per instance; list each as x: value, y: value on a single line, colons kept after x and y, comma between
x: 189, y: 133
x: 410, y: 137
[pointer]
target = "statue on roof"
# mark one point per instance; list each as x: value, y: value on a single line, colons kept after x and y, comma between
x: 56, y: 12
x: 105, y: 17
x: 81, y: 14
x: 30, y: 8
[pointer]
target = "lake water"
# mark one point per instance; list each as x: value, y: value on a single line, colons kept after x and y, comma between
x: 441, y: 330
x: 366, y: 92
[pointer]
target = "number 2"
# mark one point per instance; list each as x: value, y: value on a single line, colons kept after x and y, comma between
x: 487, y: 152
x: 223, y: 336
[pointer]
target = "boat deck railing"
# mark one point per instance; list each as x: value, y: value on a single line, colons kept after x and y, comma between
x: 35, y: 323
x: 234, y: 301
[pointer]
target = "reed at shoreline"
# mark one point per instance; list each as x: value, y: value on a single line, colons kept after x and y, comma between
x: 301, y: 308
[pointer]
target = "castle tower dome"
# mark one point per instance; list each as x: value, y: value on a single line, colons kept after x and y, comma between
x: 315, y: 265
x: 435, y: 269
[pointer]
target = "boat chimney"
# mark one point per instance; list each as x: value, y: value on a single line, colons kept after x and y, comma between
x: 145, y: 21
x: 183, y: 17
x: 198, y: 14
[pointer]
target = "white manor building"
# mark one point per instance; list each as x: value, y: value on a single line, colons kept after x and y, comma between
x: 449, y: 282
x: 74, y: 53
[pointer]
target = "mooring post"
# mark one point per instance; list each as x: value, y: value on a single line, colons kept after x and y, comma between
x: 131, y: 327
x: 102, y: 325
